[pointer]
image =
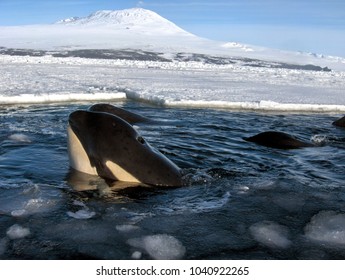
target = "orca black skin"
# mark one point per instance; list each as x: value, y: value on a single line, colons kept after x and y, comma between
x: 105, y: 145
x: 278, y: 140
x: 340, y: 122
x: 129, y: 117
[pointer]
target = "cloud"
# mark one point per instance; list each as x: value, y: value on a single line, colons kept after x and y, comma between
x: 140, y: 4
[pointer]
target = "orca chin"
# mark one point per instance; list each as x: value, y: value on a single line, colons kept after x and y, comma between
x: 104, y: 144
x: 278, y: 140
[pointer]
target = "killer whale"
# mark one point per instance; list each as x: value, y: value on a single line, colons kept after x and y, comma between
x: 340, y: 122
x: 103, y: 144
x: 278, y: 140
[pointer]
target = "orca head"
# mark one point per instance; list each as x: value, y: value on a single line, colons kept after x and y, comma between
x: 109, y: 146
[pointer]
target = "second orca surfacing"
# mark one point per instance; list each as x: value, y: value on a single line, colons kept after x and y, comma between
x: 278, y: 140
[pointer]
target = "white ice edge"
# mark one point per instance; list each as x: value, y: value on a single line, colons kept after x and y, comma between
x: 257, y: 106
x: 263, y: 105
x: 56, y: 98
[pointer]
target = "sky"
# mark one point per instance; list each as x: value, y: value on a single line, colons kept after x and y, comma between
x: 316, y: 26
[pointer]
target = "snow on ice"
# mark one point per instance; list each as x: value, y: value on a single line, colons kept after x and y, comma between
x: 191, y: 84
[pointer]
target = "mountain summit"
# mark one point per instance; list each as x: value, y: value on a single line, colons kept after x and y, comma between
x: 136, y: 17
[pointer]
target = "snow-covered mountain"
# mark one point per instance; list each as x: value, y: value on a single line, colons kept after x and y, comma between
x: 132, y: 28
x: 136, y: 17
x: 141, y: 29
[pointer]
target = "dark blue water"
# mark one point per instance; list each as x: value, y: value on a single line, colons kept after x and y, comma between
x: 240, y: 200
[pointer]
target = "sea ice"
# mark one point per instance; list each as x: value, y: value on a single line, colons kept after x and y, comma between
x: 136, y: 255
x: 126, y: 228
x: 18, y: 137
x: 79, y: 203
x: 18, y: 213
x: 16, y: 231
x: 327, y: 227
x: 270, y: 234
x: 28, y: 200
x: 35, y: 204
x: 81, y: 214
x: 31, y: 206
x: 160, y: 246
x: 191, y: 84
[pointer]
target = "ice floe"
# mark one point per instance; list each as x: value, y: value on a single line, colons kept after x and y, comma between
x: 17, y: 231
x: 270, y: 234
x: 327, y: 227
x: 19, y: 137
x: 160, y: 246
x: 81, y: 214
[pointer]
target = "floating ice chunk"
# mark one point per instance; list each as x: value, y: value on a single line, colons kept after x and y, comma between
x: 126, y: 228
x: 18, y: 213
x: 16, y: 231
x: 82, y: 214
x: 18, y: 137
x: 39, y: 205
x: 136, y: 255
x: 270, y: 234
x: 327, y: 227
x: 34, y: 204
x: 160, y: 247
x: 31, y: 206
x: 29, y: 199
x: 79, y: 203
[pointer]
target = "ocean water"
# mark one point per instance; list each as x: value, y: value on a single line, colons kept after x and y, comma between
x: 239, y: 200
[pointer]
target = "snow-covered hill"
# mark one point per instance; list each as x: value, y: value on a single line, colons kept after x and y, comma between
x: 141, y: 29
